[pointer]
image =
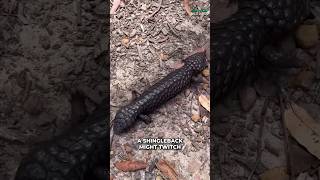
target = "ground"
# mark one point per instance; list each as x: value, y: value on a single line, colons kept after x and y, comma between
x: 53, y: 67
x: 146, y: 46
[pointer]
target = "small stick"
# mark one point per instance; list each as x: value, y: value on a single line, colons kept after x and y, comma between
x: 259, y: 148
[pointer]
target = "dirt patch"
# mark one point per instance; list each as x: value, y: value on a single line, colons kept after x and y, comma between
x: 50, y: 51
x: 146, y: 46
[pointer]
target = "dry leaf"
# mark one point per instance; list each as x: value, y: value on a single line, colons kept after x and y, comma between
x: 116, y: 4
x: 167, y: 170
x: 303, y: 128
x: 195, y: 117
x: 279, y: 173
x: 205, y: 102
x: 186, y: 5
x: 130, y: 165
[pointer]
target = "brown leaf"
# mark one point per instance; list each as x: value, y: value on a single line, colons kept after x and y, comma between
x: 186, y: 5
x: 205, y: 102
x: 279, y: 173
x: 130, y: 165
x: 116, y: 4
x: 167, y: 170
x: 303, y: 128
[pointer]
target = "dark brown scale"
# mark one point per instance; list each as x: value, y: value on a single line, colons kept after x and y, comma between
x: 160, y: 92
x: 254, y: 25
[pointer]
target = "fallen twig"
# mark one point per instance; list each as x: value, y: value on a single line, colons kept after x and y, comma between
x: 259, y: 148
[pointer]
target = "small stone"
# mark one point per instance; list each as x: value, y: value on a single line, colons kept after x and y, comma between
x: 307, y: 35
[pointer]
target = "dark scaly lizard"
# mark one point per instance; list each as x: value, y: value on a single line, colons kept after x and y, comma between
x: 238, y: 40
x: 160, y: 92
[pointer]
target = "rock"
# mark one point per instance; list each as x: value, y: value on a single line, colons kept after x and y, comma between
x: 248, y: 98
x: 307, y: 35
